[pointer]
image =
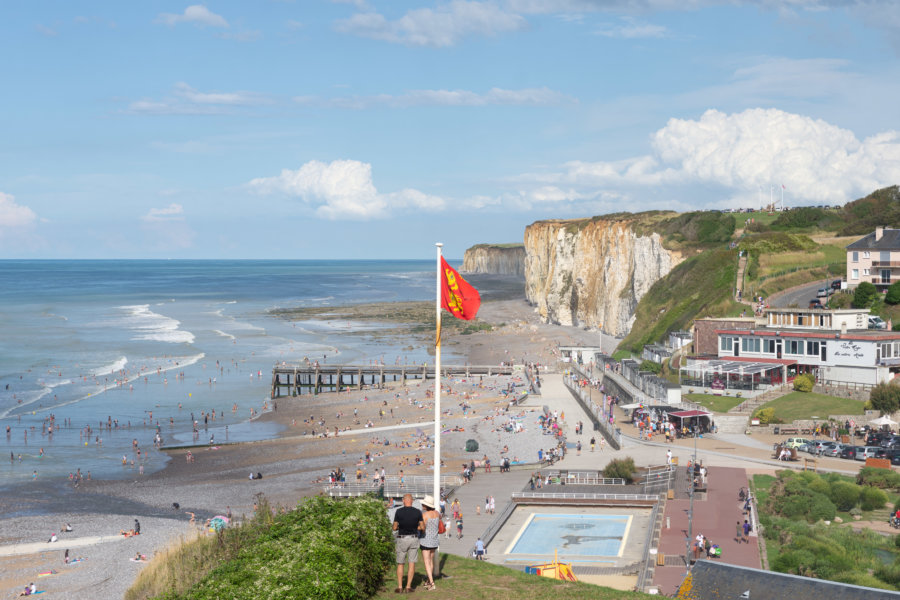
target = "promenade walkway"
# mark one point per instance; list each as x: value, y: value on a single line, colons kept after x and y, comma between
x: 715, y: 514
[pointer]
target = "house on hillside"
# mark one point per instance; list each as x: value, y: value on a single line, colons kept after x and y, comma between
x: 875, y: 258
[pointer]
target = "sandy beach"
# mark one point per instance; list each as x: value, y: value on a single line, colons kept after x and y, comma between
x: 294, y: 464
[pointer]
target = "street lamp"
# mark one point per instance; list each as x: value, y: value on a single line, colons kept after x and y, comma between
x: 690, y: 536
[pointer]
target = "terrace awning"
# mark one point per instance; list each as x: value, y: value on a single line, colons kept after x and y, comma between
x: 687, y: 414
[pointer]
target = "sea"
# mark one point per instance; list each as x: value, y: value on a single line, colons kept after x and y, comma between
x: 120, y: 351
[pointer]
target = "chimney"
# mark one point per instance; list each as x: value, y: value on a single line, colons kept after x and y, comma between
x: 879, y: 231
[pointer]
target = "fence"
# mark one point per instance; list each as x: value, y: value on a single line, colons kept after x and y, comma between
x: 583, y: 478
x: 648, y: 566
x: 418, y: 485
x: 599, y: 413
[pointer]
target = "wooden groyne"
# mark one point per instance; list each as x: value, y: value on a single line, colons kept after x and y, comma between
x: 295, y: 380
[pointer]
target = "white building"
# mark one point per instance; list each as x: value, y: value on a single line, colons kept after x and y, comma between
x: 834, y: 345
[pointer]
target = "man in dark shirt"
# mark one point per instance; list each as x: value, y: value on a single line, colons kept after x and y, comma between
x: 407, y: 523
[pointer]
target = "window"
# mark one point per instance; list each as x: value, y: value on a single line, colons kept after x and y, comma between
x: 812, y: 348
x: 793, y: 347
x: 854, y: 256
x: 866, y: 254
x: 725, y: 343
x: 769, y: 345
x: 885, y: 256
x: 750, y: 344
x: 866, y: 272
x: 854, y: 274
x: 885, y: 275
x: 886, y: 350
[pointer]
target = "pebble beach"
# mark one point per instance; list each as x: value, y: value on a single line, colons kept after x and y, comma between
x: 392, y: 424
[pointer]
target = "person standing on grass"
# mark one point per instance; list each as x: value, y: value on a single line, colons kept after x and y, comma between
x: 430, y: 539
x: 407, y: 523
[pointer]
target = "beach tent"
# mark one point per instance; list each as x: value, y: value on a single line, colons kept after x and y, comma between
x: 631, y: 406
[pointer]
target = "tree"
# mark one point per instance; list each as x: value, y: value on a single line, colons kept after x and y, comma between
x: 864, y: 295
x: 885, y: 397
x: 893, y: 293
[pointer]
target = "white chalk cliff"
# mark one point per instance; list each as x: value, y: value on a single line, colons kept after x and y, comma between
x: 592, y: 272
x: 495, y: 259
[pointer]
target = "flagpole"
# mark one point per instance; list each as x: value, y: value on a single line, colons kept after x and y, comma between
x: 437, y: 398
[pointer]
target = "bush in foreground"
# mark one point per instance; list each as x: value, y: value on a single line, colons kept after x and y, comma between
x: 327, y: 549
x: 622, y: 468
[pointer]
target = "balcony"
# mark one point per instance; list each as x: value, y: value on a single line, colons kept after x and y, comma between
x: 886, y: 264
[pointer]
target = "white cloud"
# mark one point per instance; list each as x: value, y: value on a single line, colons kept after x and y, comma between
x: 14, y: 215
x: 196, y: 14
x: 439, y: 27
x: 542, y: 96
x: 632, y: 29
x: 342, y: 189
x: 44, y: 30
x: 186, y: 100
x: 172, y: 212
x: 817, y: 161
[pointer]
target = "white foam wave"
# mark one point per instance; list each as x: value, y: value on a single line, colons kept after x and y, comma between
x: 223, y: 334
x: 154, y: 326
x: 114, y: 367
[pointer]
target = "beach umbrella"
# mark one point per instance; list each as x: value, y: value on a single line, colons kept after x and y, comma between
x: 884, y: 420
x: 218, y: 523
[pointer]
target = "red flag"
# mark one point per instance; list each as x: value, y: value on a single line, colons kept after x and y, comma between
x: 458, y: 297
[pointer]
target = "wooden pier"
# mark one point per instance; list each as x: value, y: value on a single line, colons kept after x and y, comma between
x: 295, y: 380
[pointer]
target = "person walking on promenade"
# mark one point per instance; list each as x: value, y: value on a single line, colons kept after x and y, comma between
x: 407, y: 523
x: 593, y: 442
x: 459, y: 526
x: 431, y: 539
x: 739, y: 532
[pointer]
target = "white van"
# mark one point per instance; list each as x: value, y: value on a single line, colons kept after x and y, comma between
x: 876, y: 322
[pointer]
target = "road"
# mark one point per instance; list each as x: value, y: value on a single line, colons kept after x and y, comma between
x: 801, y: 296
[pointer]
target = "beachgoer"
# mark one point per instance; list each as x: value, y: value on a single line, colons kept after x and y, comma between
x: 479, y: 549
x: 407, y: 523
x: 459, y: 526
x: 137, y: 527
x: 593, y: 442
x: 431, y: 538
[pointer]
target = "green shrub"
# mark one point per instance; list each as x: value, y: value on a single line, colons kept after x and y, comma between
x: 821, y: 509
x: 888, y: 573
x: 872, y: 498
x: 804, y: 382
x: 327, y: 548
x: 765, y: 415
x: 864, y: 295
x: 653, y: 367
x: 897, y: 541
x: 819, y: 486
x: 844, y: 495
x: 885, y: 479
x: 622, y: 468
x: 885, y: 397
x: 893, y: 294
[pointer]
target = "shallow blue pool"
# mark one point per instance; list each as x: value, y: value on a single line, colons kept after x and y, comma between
x: 581, y: 535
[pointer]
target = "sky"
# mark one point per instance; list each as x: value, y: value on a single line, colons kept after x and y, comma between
x: 314, y: 129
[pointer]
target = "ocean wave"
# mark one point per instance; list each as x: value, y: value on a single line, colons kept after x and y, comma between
x: 111, y: 368
x: 154, y: 326
x: 223, y: 334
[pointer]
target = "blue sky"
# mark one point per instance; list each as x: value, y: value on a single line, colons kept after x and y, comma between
x: 374, y: 128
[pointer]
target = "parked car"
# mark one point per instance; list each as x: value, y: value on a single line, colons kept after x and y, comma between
x: 895, y: 457
x: 815, y: 303
x: 796, y: 442
x: 890, y: 440
x: 836, y: 284
x: 822, y: 293
x: 877, y: 323
x: 864, y: 452
x: 850, y: 451
x: 835, y: 450
x: 819, y: 446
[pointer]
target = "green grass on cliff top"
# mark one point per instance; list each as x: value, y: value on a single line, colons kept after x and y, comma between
x: 696, y: 287
x: 805, y: 405
x: 476, y: 580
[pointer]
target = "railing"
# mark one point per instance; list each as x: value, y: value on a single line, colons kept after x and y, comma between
x: 418, y: 484
x: 886, y: 263
x: 583, y: 496
x: 344, y: 490
x: 494, y: 527
x: 642, y: 576
x: 598, y: 414
x: 584, y: 478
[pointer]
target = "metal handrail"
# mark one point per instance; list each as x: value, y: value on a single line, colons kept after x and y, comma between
x: 584, y: 496
x: 612, y: 434
x: 642, y: 576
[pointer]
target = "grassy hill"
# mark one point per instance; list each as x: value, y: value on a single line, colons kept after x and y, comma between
x: 782, y: 251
